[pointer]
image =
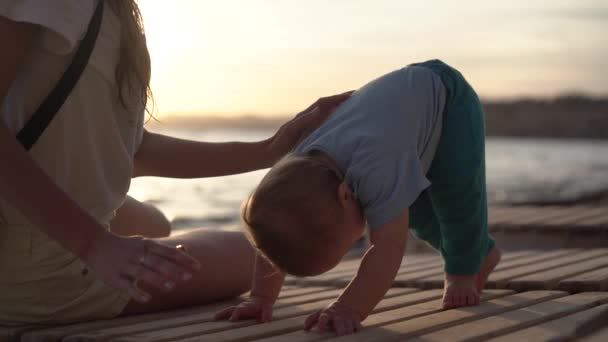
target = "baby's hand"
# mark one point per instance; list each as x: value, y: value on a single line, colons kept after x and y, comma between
x: 255, y: 307
x: 336, y: 317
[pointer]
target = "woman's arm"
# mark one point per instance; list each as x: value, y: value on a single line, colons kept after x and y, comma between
x: 164, y: 156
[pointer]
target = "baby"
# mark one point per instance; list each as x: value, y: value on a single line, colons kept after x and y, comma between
x: 406, y: 150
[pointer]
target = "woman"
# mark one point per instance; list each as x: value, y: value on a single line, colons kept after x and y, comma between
x: 58, y: 260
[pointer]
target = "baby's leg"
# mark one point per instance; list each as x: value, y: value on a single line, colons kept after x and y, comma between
x: 459, y: 290
x: 423, y: 221
x: 458, y: 194
x: 469, y: 251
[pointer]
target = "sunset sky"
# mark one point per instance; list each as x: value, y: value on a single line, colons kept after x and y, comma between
x: 270, y: 57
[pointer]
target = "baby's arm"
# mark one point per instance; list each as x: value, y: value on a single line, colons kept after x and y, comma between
x: 267, y: 283
x: 375, y: 276
x: 267, y: 280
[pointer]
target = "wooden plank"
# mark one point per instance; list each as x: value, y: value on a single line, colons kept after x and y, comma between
x: 438, y: 261
x: 600, y: 220
x: 575, y: 219
x: 343, y: 275
x: 508, y: 262
x: 437, y: 274
x: 598, y: 336
x: 343, y: 266
x: 205, y: 315
x: 299, y: 291
x: 428, y: 324
x: 296, y: 323
x: 556, y: 328
x: 205, y: 328
x: 498, y: 212
x: 484, y: 327
x: 58, y: 332
x: 385, y: 317
x: 424, y: 314
x: 480, y: 330
x: 506, y: 212
x: 500, y: 278
x: 596, y: 279
x: 549, y: 279
x: 540, y: 215
x: 409, y: 274
x: 410, y: 271
x: 515, y: 212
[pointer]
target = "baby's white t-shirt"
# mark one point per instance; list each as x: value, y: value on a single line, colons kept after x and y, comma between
x: 89, y: 146
x: 383, y: 138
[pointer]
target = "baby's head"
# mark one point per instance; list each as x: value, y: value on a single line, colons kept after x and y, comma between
x: 303, y: 216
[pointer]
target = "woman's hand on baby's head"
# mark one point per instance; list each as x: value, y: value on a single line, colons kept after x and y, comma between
x: 337, y: 317
x: 296, y: 129
x: 255, y: 307
x: 125, y: 262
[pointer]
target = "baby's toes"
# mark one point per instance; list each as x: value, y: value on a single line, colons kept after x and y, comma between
x: 472, y: 298
x: 460, y: 299
x: 449, y: 300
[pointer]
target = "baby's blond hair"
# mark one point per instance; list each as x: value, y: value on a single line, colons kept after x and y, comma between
x: 289, y: 215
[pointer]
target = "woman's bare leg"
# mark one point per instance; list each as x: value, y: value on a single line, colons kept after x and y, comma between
x: 136, y: 218
x: 227, y: 268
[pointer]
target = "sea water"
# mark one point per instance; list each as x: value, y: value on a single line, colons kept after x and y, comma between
x: 519, y: 170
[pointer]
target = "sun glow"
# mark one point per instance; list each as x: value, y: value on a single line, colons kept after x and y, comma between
x: 275, y: 57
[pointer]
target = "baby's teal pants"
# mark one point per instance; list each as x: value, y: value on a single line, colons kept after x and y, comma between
x: 452, y: 214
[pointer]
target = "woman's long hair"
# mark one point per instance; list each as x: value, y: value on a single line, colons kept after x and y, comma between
x: 133, y: 71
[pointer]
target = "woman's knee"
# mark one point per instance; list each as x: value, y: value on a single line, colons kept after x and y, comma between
x: 137, y: 218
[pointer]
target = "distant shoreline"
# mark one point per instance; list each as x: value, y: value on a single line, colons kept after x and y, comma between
x: 566, y: 116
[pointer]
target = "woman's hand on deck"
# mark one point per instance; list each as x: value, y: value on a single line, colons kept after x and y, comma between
x: 255, y: 307
x: 125, y: 262
x: 296, y: 129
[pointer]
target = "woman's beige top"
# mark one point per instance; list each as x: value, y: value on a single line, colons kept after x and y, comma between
x: 89, y: 146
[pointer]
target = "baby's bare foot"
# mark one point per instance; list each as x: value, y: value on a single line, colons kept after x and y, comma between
x: 460, y: 291
x: 487, y: 267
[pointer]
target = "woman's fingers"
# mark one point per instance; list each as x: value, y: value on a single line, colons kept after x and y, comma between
x: 327, y: 102
x: 166, y: 269
x: 141, y: 273
x: 325, y: 106
x: 131, y: 287
x: 173, y: 254
x: 332, y: 101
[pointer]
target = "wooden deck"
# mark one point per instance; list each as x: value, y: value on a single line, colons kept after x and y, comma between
x: 579, y: 218
x: 404, y: 314
x: 573, y: 270
x: 544, y: 227
x: 534, y: 295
